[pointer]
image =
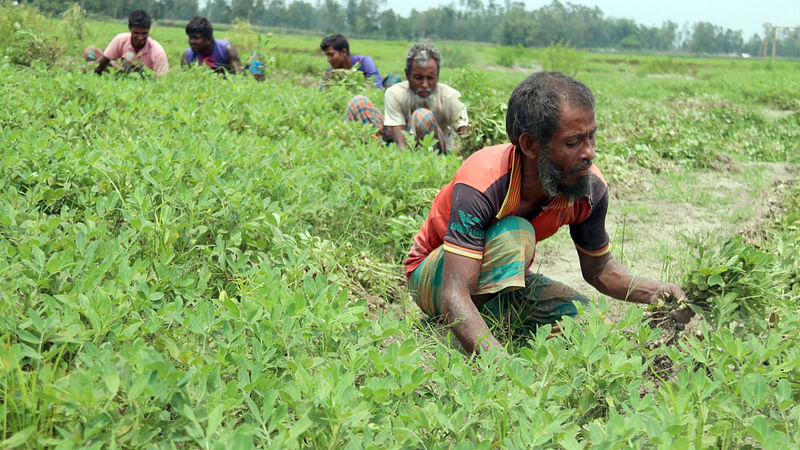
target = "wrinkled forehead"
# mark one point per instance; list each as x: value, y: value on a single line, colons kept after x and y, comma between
x: 427, y: 66
x: 576, y: 119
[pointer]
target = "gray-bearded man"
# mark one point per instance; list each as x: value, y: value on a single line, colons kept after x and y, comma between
x: 420, y: 106
x: 478, y: 242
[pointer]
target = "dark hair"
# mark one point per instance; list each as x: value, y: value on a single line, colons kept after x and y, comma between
x: 534, y: 105
x: 338, y: 41
x: 139, y: 19
x: 200, y: 25
x: 422, y: 53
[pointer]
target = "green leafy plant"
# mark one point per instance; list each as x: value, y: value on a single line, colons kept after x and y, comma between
x: 456, y: 56
x: 733, y: 284
x: 507, y: 56
x: 228, y: 273
x: 487, y: 117
x: 561, y: 56
x: 666, y: 66
x: 74, y: 20
x: 31, y: 46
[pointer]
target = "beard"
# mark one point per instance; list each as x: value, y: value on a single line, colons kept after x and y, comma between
x: 418, y: 101
x: 551, y: 177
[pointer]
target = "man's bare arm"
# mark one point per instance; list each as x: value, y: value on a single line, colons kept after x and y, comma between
x: 611, y: 278
x: 399, y: 137
x: 102, y: 63
x: 184, y: 60
x: 459, y: 279
x: 233, y: 57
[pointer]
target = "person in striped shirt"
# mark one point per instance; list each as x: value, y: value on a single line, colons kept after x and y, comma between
x: 477, y: 245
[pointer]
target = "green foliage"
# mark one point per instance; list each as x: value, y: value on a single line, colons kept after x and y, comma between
x: 75, y: 21
x: 562, y: 57
x: 29, y: 46
x: 244, y: 35
x: 456, y: 55
x: 195, y: 261
x: 666, y: 66
x: 733, y: 283
x: 506, y: 56
x: 24, y: 35
x: 486, y: 111
x: 350, y: 79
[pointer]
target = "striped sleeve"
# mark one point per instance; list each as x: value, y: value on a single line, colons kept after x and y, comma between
x: 590, y: 236
x: 471, y: 214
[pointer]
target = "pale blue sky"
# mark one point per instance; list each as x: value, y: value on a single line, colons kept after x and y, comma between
x: 746, y: 15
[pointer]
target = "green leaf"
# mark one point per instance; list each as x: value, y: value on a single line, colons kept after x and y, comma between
x: 111, y: 377
x: 754, y: 390
x: 783, y: 393
x: 54, y: 194
x: 214, y: 419
x: 53, y: 264
x: 716, y: 280
x: 299, y: 427
x: 18, y: 438
x: 242, y: 438
x: 124, y: 273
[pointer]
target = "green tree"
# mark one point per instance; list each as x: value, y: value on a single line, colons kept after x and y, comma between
x: 218, y: 11
x: 242, y: 9
x: 351, y: 15
x: 333, y: 17
x: 702, y: 40
x: 276, y: 13
x: 390, y: 25
x: 301, y: 15
x: 259, y: 14
x: 183, y: 9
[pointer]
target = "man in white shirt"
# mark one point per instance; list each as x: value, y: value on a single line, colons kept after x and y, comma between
x: 420, y: 106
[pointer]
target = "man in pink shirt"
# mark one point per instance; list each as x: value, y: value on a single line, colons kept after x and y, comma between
x: 133, y: 49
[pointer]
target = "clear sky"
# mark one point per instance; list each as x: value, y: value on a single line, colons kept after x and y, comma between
x: 746, y: 15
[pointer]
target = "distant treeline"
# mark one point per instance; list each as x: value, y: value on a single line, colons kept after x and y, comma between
x: 471, y: 20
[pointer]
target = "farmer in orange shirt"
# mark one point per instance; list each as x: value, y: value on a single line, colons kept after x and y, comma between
x: 477, y: 245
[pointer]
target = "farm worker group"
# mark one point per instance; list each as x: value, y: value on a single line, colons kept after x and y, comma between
x: 475, y: 249
x: 133, y: 51
x: 478, y: 242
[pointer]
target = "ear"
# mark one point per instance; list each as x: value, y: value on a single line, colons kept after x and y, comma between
x: 529, y: 145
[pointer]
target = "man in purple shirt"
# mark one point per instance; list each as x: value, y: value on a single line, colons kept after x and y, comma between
x: 337, y: 50
x: 218, y: 54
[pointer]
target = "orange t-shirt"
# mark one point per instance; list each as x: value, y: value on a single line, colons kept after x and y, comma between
x: 485, y: 189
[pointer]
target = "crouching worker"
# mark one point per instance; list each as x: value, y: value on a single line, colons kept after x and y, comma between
x: 217, y: 54
x: 420, y: 106
x: 132, y: 51
x: 478, y: 242
x: 337, y: 51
